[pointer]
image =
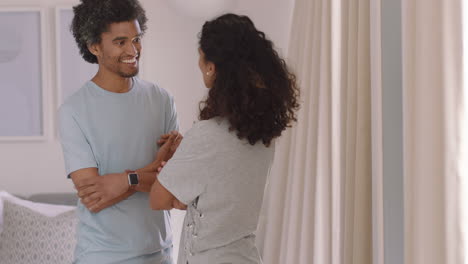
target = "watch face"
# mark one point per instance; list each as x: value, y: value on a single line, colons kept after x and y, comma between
x: 133, y: 178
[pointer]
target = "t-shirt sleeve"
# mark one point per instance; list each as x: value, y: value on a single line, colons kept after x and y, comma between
x: 77, y: 152
x: 171, y: 116
x: 187, y: 174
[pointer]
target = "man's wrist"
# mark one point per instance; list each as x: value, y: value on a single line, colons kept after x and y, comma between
x: 133, y: 179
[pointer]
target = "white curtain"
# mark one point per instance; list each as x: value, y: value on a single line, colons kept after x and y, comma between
x: 377, y: 133
x: 432, y: 74
x: 318, y: 202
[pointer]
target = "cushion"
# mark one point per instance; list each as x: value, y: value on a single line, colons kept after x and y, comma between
x: 42, y: 208
x: 30, y: 236
x: 55, y: 198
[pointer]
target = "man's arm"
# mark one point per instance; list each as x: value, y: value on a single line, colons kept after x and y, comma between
x: 100, y: 206
x: 99, y: 192
x: 145, y: 182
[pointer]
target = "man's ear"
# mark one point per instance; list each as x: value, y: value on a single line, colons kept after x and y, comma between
x: 94, y: 49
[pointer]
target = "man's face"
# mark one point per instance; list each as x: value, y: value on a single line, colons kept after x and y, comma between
x: 120, y: 48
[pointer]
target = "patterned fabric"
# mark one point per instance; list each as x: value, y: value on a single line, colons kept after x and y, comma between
x: 30, y: 237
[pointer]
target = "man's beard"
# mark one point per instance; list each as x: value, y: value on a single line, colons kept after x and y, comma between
x: 128, y: 75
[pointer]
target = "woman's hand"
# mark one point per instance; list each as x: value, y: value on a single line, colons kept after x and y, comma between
x: 169, y: 144
x: 165, y: 137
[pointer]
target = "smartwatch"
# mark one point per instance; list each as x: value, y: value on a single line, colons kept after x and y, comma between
x: 133, y: 178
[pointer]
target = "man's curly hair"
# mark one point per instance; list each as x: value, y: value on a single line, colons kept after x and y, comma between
x: 93, y: 17
x: 253, y: 87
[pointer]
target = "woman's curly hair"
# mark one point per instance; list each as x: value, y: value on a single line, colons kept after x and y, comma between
x: 93, y: 17
x: 253, y: 87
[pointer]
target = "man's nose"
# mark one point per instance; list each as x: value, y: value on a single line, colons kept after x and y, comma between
x: 132, y: 49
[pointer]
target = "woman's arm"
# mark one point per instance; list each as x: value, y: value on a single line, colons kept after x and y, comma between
x: 162, y: 199
x: 169, y: 144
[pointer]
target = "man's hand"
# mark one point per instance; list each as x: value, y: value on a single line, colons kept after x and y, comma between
x: 97, y: 208
x: 96, y: 191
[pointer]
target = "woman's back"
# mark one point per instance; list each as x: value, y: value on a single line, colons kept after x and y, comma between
x: 224, y: 179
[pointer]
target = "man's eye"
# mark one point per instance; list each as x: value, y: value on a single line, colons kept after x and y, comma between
x: 121, y: 43
x: 137, y: 40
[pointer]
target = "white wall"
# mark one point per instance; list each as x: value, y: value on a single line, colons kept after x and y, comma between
x: 169, y: 58
x: 170, y: 47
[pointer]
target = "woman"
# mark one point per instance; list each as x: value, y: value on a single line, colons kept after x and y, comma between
x: 218, y: 172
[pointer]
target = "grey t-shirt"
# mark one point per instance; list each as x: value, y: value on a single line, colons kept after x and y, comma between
x: 221, y: 178
x: 115, y: 132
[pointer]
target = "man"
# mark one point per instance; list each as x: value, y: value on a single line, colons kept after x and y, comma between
x: 109, y: 130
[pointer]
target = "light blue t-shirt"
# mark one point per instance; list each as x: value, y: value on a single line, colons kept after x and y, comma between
x: 116, y: 132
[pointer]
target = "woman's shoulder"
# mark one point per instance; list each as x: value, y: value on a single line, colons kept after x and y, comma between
x: 208, y: 131
x: 211, y: 125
